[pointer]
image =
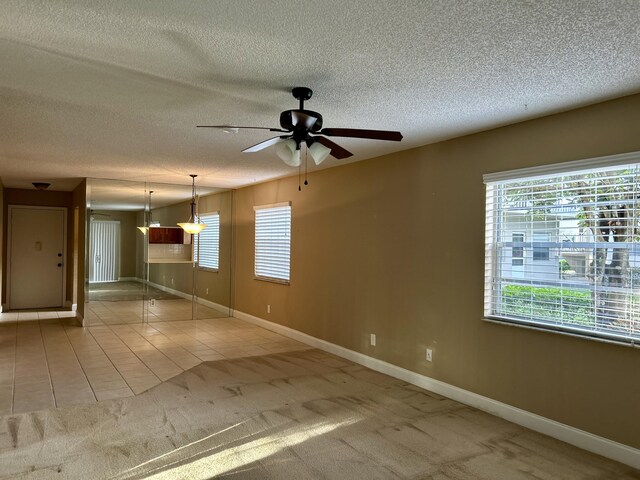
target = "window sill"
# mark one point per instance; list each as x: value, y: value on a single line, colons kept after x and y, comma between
x: 272, y: 280
x: 205, y: 269
x: 551, y: 329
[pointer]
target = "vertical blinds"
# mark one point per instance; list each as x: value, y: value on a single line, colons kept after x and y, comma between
x: 206, y: 245
x: 562, y: 251
x: 273, y: 242
x: 105, y: 249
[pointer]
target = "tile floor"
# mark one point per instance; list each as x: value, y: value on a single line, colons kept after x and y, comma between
x: 112, y: 313
x: 46, y: 360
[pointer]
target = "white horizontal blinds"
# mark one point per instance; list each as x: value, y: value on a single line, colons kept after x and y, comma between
x: 273, y: 242
x: 563, y: 251
x: 206, y: 245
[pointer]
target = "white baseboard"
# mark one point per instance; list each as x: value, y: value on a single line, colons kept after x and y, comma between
x: 580, y: 438
x: 201, y: 301
x: 172, y: 291
x: 71, y: 306
x: 216, y: 306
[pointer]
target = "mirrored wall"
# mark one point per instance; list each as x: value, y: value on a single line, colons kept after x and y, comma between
x: 141, y: 267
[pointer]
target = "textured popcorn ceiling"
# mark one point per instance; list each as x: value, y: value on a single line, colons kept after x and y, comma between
x: 114, y: 89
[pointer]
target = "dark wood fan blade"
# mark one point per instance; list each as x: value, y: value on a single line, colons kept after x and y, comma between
x: 359, y: 133
x: 233, y: 127
x: 336, y: 150
x: 262, y: 145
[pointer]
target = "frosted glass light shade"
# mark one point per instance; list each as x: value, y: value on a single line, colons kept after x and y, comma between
x: 319, y: 152
x: 289, y: 153
x: 192, y: 228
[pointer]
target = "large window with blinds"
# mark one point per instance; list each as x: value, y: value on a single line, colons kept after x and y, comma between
x: 563, y: 247
x: 206, y: 245
x: 273, y: 242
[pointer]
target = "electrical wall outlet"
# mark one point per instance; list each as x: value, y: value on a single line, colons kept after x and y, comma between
x: 429, y: 355
x: 172, y: 281
x: 373, y: 340
x: 153, y: 302
x: 207, y: 292
x: 268, y: 308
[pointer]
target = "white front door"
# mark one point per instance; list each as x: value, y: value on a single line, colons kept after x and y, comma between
x: 36, y: 256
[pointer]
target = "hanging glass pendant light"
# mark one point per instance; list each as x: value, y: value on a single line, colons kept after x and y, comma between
x: 145, y: 230
x: 193, y: 226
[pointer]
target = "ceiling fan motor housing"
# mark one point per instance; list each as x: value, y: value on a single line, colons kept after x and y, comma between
x: 305, y: 120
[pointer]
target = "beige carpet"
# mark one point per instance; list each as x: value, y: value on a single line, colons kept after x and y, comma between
x: 297, y: 415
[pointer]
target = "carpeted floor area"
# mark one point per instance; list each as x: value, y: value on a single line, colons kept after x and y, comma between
x: 294, y: 415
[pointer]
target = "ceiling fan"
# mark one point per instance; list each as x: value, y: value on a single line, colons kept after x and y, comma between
x: 305, y: 126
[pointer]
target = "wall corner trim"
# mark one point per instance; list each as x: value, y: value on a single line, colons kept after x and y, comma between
x: 566, y: 433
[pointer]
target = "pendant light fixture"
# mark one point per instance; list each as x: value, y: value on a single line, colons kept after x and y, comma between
x: 145, y: 229
x: 192, y: 226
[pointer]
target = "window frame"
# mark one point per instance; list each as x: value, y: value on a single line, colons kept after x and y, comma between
x: 266, y: 278
x: 493, y: 261
x: 196, y: 254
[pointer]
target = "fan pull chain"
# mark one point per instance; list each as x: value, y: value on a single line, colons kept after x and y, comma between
x: 299, y: 175
x: 306, y: 157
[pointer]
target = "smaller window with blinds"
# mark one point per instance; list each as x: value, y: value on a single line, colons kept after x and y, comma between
x: 273, y: 242
x: 206, y: 245
x: 563, y: 247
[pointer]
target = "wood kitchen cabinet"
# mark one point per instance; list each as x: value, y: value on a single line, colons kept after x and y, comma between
x: 169, y: 245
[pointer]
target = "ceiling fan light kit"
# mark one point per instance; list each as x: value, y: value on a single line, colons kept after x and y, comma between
x: 289, y: 152
x: 305, y: 126
x: 318, y: 152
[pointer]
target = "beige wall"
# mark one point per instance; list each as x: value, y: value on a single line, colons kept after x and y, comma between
x: 1, y: 242
x: 395, y: 246
x: 79, y: 204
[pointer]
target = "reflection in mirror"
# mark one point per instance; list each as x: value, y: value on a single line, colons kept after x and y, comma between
x: 115, y: 280
x: 142, y: 267
x: 183, y: 290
